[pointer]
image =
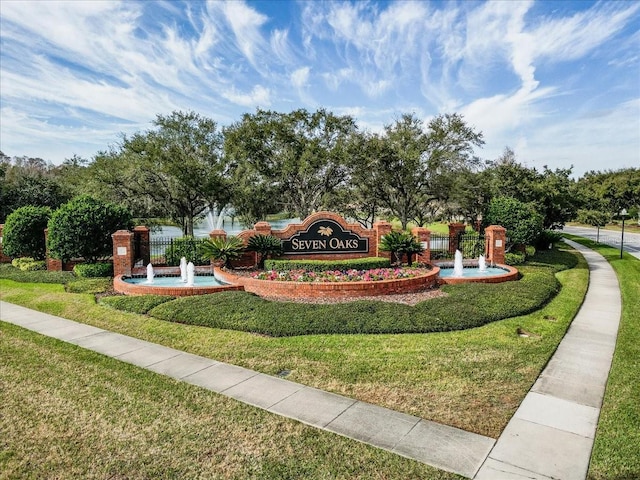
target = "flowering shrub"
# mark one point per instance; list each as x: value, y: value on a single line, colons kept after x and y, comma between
x: 352, y: 275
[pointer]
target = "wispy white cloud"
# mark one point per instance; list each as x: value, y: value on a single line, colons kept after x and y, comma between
x: 259, y: 96
x: 245, y: 23
x: 514, y: 69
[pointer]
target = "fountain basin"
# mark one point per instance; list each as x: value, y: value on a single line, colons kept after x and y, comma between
x: 471, y: 274
x: 167, y: 281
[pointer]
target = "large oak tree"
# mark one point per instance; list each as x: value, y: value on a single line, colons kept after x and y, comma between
x: 176, y: 170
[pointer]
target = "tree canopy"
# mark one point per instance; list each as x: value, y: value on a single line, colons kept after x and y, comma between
x: 299, y: 156
x: 177, y: 170
x: 300, y: 162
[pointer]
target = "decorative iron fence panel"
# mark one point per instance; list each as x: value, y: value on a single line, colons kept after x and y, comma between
x: 471, y: 245
x: 439, y: 245
x: 443, y: 247
x: 168, y: 251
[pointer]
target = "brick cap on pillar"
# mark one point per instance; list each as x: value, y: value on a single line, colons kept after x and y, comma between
x: 121, y: 233
x: 262, y: 227
x: 140, y: 228
x: 495, y: 228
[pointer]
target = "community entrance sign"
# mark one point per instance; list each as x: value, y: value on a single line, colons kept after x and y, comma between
x: 325, y: 237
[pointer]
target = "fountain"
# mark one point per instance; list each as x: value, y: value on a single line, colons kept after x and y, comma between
x: 472, y: 273
x: 482, y: 264
x: 458, y: 269
x: 211, y: 219
x: 191, y: 272
x: 220, y: 221
x: 149, y: 273
x: 183, y: 270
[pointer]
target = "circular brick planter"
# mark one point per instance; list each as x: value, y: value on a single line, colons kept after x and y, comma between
x: 510, y: 273
x: 276, y: 289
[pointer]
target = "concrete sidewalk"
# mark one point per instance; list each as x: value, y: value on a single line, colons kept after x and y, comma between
x: 550, y: 436
x: 439, y: 445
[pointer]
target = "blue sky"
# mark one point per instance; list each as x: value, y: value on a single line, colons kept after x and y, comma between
x: 557, y: 81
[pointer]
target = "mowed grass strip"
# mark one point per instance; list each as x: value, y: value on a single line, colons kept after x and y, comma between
x: 472, y: 379
x: 74, y: 414
x: 616, y: 454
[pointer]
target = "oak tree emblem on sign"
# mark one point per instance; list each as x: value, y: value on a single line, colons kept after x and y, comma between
x: 325, y: 231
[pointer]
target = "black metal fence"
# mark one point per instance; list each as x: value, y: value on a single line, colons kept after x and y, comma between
x: 168, y: 251
x: 444, y: 247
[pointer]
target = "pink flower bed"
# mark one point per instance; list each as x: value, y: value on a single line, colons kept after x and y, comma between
x: 373, y: 275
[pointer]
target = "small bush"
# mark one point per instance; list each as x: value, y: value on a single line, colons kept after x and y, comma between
x: 28, y: 264
x: 93, y: 270
x: 223, y: 249
x: 324, y: 265
x: 16, y: 262
x: 514, y: 258
x: 529, y: 251
x: 400, y: 244
x: 82, y: 228
x: 188, y: 247
x: 135, y: 304
x: 547, y: 238
x: 264, y: 246
x: 23, y: 234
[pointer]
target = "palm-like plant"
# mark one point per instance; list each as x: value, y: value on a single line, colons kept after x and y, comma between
x: 223, y: 249
x: 264, y: 246
x: 400, y: 243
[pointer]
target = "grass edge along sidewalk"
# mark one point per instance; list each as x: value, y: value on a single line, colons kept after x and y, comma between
x: 615, y: 453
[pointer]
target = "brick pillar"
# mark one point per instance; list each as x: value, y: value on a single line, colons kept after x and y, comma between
x: 53, y: 264
x: 123, y: 252
x: 495, y: 243
x: 455, y: 229
x: 263, y: 228
x: 216, y: 234
x: 381, y: 228
x: 424, y: 236
x: 141, y: 238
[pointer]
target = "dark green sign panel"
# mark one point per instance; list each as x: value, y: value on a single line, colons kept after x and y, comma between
x: 325, y: 237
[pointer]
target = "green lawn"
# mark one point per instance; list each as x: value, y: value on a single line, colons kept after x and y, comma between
x: 473, y: 379
x: 70, y: 413
x: 616, y: 452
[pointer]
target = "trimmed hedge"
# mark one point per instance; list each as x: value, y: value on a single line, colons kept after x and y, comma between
x: 135, y: 304
x: 9, y: 272
x: 93, y: 270
x: 466, y: 306
x: 324, y: 265
x: 92, y: 286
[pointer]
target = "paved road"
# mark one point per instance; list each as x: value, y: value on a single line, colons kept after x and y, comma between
x: 609, y: 237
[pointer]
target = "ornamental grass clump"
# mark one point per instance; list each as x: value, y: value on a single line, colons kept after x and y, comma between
x: 351, y: 275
